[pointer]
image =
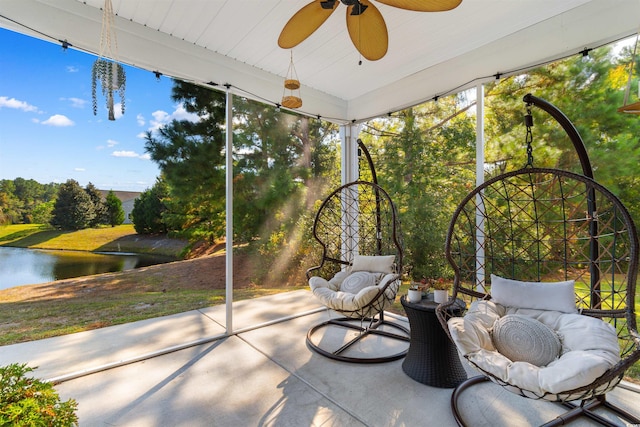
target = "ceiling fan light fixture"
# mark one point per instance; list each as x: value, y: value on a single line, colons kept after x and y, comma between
x: 328, y: 4
x: 358, y: 9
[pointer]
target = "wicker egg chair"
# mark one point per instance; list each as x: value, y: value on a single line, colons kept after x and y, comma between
x: 358, y: 276
x: 552, y: 255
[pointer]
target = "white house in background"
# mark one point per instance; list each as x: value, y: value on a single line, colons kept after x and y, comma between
x: 127, y: 198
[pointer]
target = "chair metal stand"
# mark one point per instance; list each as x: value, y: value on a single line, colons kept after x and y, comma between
x: 456, y: 394
x: 358, y: 219
x: 585, y: 408
x: 373, y: 328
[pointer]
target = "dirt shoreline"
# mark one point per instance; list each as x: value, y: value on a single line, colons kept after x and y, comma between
x: 201, y: 273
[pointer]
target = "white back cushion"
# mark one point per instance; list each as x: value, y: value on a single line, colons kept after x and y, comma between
x: 555, y: 296
x: 382, y: 264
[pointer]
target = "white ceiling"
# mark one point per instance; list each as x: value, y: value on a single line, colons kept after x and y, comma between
x: 235, y: 42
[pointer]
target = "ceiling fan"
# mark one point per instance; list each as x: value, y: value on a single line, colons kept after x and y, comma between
x: 365, y: 23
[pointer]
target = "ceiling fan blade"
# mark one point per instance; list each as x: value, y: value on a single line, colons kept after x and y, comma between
x: 368, y: 31
x: 304, y: 22
x: 423, y: 5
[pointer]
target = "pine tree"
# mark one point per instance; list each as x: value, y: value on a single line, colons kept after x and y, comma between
x: 114, y: 211
x: 73, y: 209
x: 149, y: 208
x: 99, y: 206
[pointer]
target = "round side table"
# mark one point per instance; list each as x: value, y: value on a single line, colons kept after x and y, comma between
x: 432, y: 358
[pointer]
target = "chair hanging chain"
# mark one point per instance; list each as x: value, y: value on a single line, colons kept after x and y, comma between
x: 631, y: 66
x: 528, y: 121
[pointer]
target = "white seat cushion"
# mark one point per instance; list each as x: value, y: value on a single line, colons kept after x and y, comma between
x: 354, y: 296
x: 589, y: 348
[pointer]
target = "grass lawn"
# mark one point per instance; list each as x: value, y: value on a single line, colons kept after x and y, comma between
x: 121, y: 238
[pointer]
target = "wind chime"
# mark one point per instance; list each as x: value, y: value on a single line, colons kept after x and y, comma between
x: 291, y: 94
x: 106, y: 69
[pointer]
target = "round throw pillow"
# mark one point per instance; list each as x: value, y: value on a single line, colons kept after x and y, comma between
x: 524, y: 339
x: 357, y: 281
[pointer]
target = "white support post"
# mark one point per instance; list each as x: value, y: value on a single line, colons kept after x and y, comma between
x: 349, y: 173
x: 480, y: 270
x: 349, y: 150
x: 229, y: 213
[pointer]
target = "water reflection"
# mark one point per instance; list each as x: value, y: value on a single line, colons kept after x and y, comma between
x: 20, y: 266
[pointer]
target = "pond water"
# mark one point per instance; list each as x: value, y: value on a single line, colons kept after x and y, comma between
x: 20, y: 266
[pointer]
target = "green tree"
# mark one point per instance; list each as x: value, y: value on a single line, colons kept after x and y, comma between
x: 191, y: 157
x: 149, y: 209
x: 20, y: 197
x: 73, y: 209
x: 588, y: 91
x: 42, y: 212
x: 281, y: 166
x: 99, y: 206
x: 114, y: 211
x: 275, y: 157
x: 424, y: 159
x: 10, y: 205
x: 282, y: 161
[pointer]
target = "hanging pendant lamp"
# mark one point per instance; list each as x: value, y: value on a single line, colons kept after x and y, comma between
x: 633, y: 108
x: 291, y: 94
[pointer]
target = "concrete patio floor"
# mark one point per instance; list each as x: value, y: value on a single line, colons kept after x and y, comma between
x: 262, y: 376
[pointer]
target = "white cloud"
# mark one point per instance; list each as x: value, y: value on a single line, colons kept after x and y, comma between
x: 161, y: 117
x: 112, y: 143
x: 130, y: 154
x: 18, y: 105
x: 124, y: 153
x: 75, y: 102
x: 58, y: 120
x: 79, y: 169
x: 181, y: 114
x: 140, y: 119
x: 117, y: 110
x: 72, y: 69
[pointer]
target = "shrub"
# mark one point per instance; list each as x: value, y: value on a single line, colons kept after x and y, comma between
x: 26, y: 401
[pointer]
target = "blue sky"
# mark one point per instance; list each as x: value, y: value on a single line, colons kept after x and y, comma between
x: 47, y: 128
